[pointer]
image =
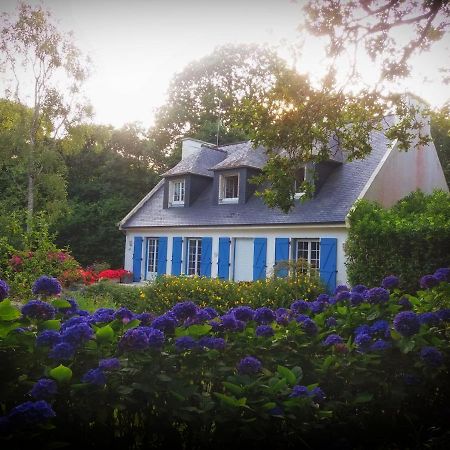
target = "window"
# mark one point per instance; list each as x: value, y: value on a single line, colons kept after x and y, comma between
x: 194, y: 255
x: 152, y: 255
x: 307, y: 251
x: 176, y: 192
x: 229, y: 188
x: 299, y: 179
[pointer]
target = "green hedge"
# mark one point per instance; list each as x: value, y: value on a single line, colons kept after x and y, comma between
x: 410, y: 239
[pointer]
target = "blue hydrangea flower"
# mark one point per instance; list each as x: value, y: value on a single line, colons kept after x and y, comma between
x: 201, y: 316
x: 215, y: 326
x: 264, y: 331
x: 444, y: 314
x: 4, y: 290
x: 31, y: 413
x: 359, y: 288
x: 331, y: 322
x: 428, y: 281
x: 411, y: 379
x: 109, y: 364
x: 103, y: 315
x: 282, y: 316
x: 309, y: 327
x: 377, y: 295
x: 240, y: 325
x: 390, y: 282
x: 44, y: 389
x: 46, y: 286
x: 363, y: 340
x: 380, y: 328
x: 184, y: 343
x: 323, y: 298
x: 69, y: 310
x: 156, y: 338
x: 78, y: 334
x: 317, y: 394
x: 406, y: 323
x: 166, y: 323
x: 343, y: 295
x: 212, y: 313
x: 276, y: 411
x: 124, y: 315
x: 94, y: 376
x: 301, y: 318
x: 212, y: 343
x: 299, y: 306
x: 184, y: 310
x: 429, y: 318
x: 443, y: 274
x: 229, y: 322
x: 405, y: 304
x: 62, y: 351
x: 73, y: 321
x: 244, y: 313
x: 39, y: 310
x: 264, y: 316
x: 431, y: 356
x: 317, y: 307
x: 380, y: 345
x: 299, y: 391
x: 362, y: 329
x: 145, y: 318
x: 249, y: 366
x: 333, y: 339
x: 340, y: 288
x: 356, y: 298
x: 134, y: 340
x: 48, y: 338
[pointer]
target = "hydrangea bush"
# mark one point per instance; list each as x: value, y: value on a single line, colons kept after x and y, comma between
x: 361, y: 368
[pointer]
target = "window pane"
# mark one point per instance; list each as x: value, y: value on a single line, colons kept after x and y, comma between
x: 231, y: 186
x: 299, y: 179
x: 153, y: 255
x: 178, y: 191
x: 194, y: 256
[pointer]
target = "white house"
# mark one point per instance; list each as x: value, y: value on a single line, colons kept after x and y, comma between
x: 204, y: 218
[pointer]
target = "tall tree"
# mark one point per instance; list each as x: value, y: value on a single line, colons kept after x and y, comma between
x: 44, y: 70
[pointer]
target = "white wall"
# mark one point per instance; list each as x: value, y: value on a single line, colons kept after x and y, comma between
x: 339, y: 232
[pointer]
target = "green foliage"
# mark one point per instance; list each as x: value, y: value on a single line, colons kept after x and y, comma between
x: 440, y: 130
x: 411, y: 238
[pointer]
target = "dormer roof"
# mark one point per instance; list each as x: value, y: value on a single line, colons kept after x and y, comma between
x: 242, y: 155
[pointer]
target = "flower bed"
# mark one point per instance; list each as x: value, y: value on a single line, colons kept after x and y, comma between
x: 364, y: 368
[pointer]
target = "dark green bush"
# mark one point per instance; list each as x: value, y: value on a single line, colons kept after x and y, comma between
x: 410, y: 239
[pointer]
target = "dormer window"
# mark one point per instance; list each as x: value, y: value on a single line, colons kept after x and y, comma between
x: 176, y: 192
x: 299, y: 179
x: 229, y: 188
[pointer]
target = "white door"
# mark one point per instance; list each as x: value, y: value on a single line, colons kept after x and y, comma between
x: 243, y: 259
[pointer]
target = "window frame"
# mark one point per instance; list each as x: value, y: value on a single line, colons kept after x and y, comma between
x: 152, y: 255
x: 173, y: 191
x: 297, y: 183
x: 193, y: 266
x: 223, y: 188
x: 312, y: 263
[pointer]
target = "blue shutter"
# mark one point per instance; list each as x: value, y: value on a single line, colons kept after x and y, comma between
x: 176, y: 255
x: 137, y: 258
x: 147, y: 243
x: 206, y: 256
x: 259, y: 258
x: 162, y: 256
x: 282, y: 254
x: 224, y: 258
x: 328, y: 262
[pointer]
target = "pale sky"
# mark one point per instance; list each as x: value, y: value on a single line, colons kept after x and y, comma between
x: 138, y: 45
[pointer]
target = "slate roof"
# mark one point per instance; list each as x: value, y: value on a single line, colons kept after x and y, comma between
x: 243, y: 155
x: 330, y: 205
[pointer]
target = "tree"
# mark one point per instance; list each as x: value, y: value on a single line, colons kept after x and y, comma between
x: 39, y: 59
x: 311, y: 120
x: 440, y: 130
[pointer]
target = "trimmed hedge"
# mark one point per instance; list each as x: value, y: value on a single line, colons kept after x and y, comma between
x: 411, y: 238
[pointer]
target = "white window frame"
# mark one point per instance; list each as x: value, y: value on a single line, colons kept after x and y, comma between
x: 152, y: 257
x: 222, y: 188
x: 173, y: 192
x: 297, y: 184
x: 193, y: 260
x: 312, y: 249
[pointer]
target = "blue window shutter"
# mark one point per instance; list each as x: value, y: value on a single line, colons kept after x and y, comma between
x: 137, y: 258
x: 162, y: 256
x: 328, y: 262
x: 176, y: 255
x: 205, y: 262
x: 259, y: 258
x: 282, y: 254
x: 224, y: 258
x: 147, y: 242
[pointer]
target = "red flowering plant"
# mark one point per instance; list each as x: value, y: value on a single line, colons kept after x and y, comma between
x: 112, y: 274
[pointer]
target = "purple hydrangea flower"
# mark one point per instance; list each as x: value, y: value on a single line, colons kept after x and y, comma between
x: 109, y: 364
x: 309, y: 327
x: 39, y: 310
x: 406, y: 323
x: 134, y: 340
x: 390, y: 282
x: 380, y: 345
x: 103, y: 315
x: 341, y: 296
x: 323, y: 298
x: 73, y: 321
x: 69, y: 310
x: 443, y: 274
x: 428, y: 281
x: 317, y: 395
x: 244, y: 313
x: 444, y: 314
x: 48, y: 338
x: 264, y: 331
x: 44, y: 389
x: 282, y: 316
x: 299, y: 391
x: 229, y: 322
x: 156, y: 338
x: 380, y: 328
x: 356, y: 298
x: 212, y: 313
x: 429, y: 318
x: 215, y: 326
x: 185, y: 343
x: 31, y: 413
x: 359, y: 288
x: 363, y: 340
x: 62, y: 351
x: 301, y: 318
x: 145, y: 318
x: 405, y: 304
x: 317, y: 307
x: 333, y: 339
x: 4, y: 290
x: 212, y: 343
x: 299, y: 306
x: 166, y: 323
x: 184, y: 310
x: 340, y: 288
x: 249, y: 366
x: 201, y: 316
x: 264, y: 316
x: 94, y: 376
x: 431, y: 356
x: 362, y: 329
x: 124, y: 315
x: 78, y: 334
x: 46, y: 286
x: 331, y: 322
x: 377, y: 295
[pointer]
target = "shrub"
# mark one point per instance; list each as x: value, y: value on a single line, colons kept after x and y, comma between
x: 410, y: 239
x: 188, y: 379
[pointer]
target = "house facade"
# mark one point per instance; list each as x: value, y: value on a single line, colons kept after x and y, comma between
x: 203, y: 218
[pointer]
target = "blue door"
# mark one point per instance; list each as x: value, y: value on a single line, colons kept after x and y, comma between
x: 223, y: 270
x: 176, y: 255
x: 137, y: 258
x: 259, y: 258
x: 328, y: 262
x: 281, y: 254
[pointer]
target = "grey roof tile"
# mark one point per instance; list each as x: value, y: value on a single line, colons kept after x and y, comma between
x: 243, y: 155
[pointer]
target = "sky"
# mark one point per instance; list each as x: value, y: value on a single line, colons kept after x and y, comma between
x: 138, y: 45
